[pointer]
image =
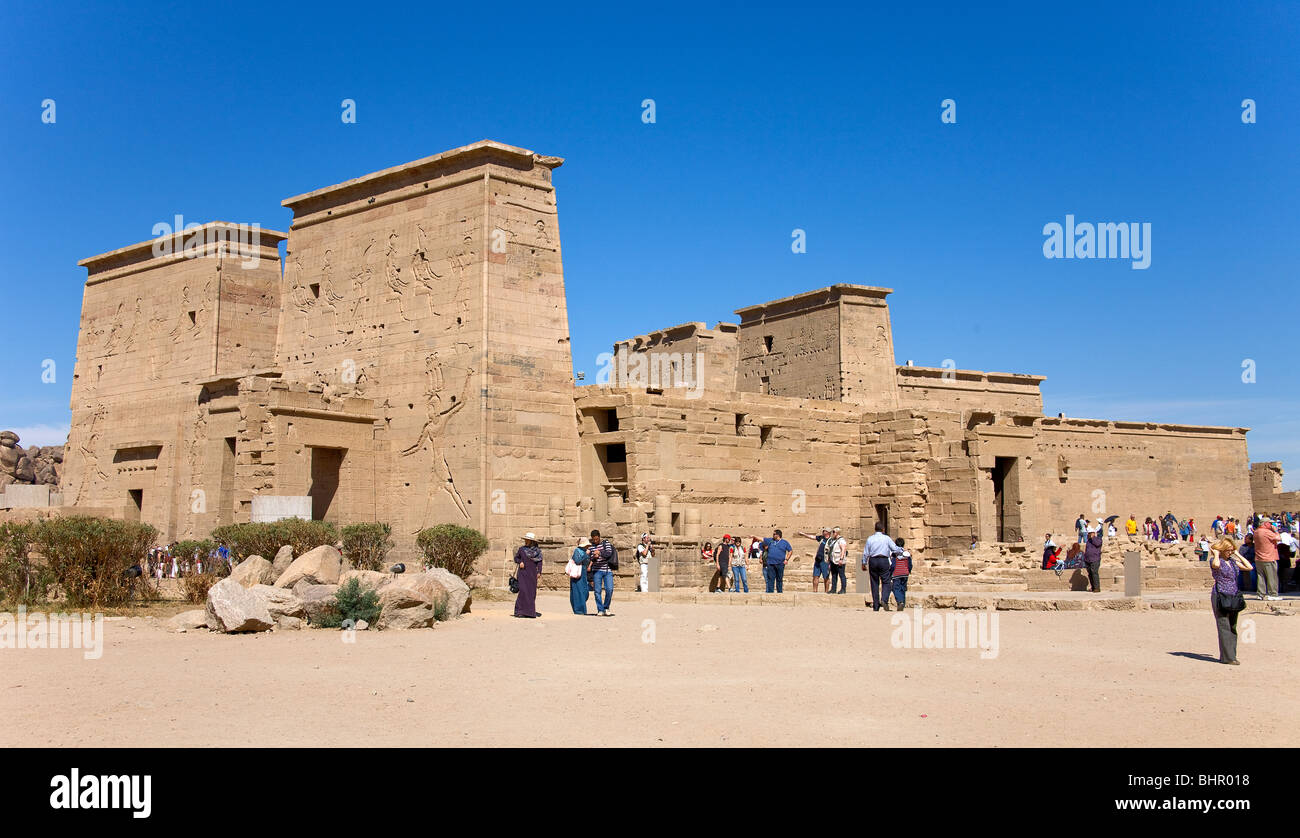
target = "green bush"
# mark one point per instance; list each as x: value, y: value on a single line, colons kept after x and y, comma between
x: 22, y: 581
x: 351, y: 602
x: 441, y: 611
x: 452, y: 547
x: 265, y: 540
x: 88, y: 557
x: 366, y: 546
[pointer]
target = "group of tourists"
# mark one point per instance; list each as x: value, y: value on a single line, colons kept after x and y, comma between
x: 169, y: 562
x: 591, y: 567
x: 731, y: 560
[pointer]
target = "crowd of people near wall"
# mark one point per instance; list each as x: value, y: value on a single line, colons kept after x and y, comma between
x: 170, y: 562
x: 591, y: 567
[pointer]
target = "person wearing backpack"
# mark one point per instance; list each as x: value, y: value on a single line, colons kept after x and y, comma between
x: 604, y: 561
x: 821, y: 567
x: 837, y: 553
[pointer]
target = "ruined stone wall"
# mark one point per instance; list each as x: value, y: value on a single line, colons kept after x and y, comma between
x: 793, y: 354
x: 1266, y: 495
x: 688, y: 356
x: 936, y: 388
x: 1102, y: 468
x: 743, y: 465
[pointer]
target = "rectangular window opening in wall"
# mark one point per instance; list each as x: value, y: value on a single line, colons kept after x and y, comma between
x: 764, y: 434
x: 765, y: 385
x: 193, y: 318
x: 740, y: 423
x: 882, y: 515
x: 677, y: 523
x: 616, y: 452
x: 315, y: 290
x: 767, y: 343
x: 605, y: 418
x: 134, y: 504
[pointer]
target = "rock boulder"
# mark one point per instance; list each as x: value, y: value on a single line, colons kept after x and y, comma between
x: 320, y: 566
x: 278, y: 601
x: 283, y: 558
x: 253, y: 570
x: 232, y: 608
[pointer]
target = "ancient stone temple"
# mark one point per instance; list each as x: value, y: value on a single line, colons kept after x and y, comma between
x: 409, y: 362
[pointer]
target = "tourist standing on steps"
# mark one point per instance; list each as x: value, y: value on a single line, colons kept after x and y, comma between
x: 528, y: 567
x: 602, y: 576
x: 722, y: 558
x: 821, y: 566
x: 1225, y: 596
x: 878, y: 558
x: 1266, y: 559
x: 1081, y: 527
x: 1092, y: 558
x: 739, y: 569
x: 644, y: 551
x: 778, y: 552
x: 837, y: 555
x: 578, y: 576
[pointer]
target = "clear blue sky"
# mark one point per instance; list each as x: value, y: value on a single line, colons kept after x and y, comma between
x: 769, y: 118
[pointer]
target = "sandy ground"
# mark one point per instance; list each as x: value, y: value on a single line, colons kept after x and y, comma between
x: 802, y: 676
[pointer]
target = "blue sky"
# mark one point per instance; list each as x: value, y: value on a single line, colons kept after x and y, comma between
x: 768, y: 119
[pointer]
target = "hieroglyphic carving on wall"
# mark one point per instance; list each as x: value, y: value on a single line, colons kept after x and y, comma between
x: 432, y: 438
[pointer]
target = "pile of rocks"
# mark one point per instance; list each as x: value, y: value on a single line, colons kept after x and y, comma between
x: 289, y: 593
x: 33, y: 466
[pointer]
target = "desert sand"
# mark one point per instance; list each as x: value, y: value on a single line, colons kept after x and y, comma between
x: 715, y: 675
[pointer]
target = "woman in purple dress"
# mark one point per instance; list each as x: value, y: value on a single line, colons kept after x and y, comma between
x: 1224, y: 567
x: 528, y: 567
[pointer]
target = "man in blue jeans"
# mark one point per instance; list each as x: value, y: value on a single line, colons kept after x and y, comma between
x: 602, y: 577
x: 778, y: 552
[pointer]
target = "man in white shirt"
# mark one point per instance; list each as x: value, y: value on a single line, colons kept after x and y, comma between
x: 644, y: 551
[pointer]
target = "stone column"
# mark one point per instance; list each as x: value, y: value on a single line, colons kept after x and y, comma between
x: 663, y: 516
x: 692, y: 529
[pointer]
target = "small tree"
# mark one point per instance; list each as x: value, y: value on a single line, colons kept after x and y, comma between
x: 265, y: 539
x: 22, y: 581
x: 351, y: 602
x: 366, y: 546
x: 452, y: 547
x: 89, y: 557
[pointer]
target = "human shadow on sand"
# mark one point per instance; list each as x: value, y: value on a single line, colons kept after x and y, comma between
x: 1196, y: 656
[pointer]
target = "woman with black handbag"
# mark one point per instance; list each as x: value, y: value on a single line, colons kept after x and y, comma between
x: 1226, y: 600
x: 528, y: 561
